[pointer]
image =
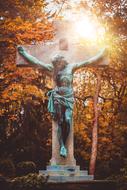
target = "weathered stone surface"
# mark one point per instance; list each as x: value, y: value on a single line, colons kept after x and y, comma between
x: 62, y: 167
x: 65, y: 173
x: 61, y: 178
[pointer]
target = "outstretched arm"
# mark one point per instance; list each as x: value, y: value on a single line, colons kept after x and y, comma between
x: 33, y: 60
x: 90, y: 61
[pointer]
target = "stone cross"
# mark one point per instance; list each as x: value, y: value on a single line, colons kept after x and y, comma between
x: 73, y: 52
x: 62, y: 47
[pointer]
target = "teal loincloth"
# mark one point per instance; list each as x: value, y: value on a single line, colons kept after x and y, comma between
x: 65, y: 99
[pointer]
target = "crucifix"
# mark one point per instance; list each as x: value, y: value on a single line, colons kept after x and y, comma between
x: 61, y: 98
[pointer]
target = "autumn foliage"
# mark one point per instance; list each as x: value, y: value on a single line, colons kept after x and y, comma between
x: 23, y: 91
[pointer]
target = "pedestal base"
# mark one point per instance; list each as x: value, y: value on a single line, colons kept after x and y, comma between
x: 62, y: 173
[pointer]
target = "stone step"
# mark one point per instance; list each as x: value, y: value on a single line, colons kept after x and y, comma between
x: 60, y: 179
x: 62, y: 167
x: 64, y: 173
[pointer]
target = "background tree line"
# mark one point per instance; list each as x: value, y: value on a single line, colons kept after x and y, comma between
x: 23, y: 91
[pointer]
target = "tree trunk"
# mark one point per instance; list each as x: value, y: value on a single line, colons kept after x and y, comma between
x: 95, y: 128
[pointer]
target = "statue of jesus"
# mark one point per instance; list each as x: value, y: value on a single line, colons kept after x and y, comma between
x: 61, y: 98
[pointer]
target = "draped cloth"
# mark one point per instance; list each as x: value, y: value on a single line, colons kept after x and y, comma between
x: 62, y: 96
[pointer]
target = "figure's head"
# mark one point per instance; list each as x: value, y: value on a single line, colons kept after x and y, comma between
x: 59, y: 62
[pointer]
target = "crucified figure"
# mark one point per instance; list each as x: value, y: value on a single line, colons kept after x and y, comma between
x: 61, y: 98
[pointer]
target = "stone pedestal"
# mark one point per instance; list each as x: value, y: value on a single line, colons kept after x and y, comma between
x: 66, y: 173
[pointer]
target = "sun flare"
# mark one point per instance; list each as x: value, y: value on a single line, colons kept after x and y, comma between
x: 85, y: 29
x: 88, y: 29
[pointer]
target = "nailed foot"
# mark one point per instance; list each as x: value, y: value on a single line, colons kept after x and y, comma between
x: 63, y: 151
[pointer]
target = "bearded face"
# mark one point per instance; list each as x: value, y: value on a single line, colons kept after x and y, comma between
x: 59, y: 63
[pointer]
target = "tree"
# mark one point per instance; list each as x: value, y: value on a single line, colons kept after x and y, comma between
x: 112, y: 120
x: 22, y: 22
x: 95, y: 128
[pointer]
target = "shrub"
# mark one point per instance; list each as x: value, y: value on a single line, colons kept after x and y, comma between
x: 7, y: 168
x: 29, y: 182
x: 4, y: 184
x: 121, y: 178
x: 103, y: 170
x: 26, y: 167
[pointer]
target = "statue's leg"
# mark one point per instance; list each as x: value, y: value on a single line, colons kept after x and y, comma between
x: 60, y: 135
x: 68, y: 119
x: 65, y: 130
x: 61, y: 129
x: 63, y: 150
x: 59, y: 117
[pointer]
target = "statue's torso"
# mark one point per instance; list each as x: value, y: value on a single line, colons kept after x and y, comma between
x: 64, y: 81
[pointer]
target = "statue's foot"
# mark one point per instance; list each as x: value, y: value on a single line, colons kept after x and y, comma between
x: 63, y: 151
